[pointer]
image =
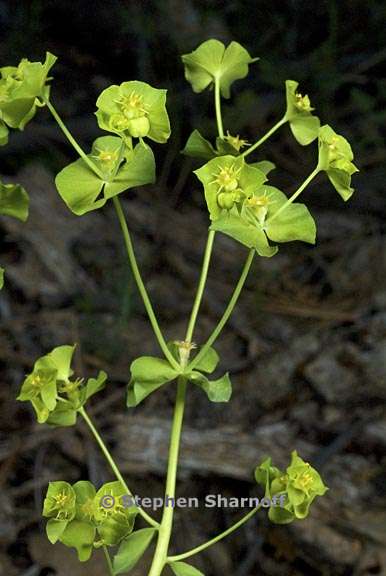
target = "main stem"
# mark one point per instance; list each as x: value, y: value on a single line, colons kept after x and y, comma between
x: 114, y: 467
x: 228, y: 311
x: 265, y: 137
x: 141, y: 286
x: 165, y: 528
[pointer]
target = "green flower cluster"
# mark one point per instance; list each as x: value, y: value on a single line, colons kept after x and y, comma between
x: 134, y: 110
x: 243, y: 207
x: 115, y: 164
x: 300, y: 484
x: 304, y: 125
x: 56, y: 397
x: 239, y: 203
x: 78, y: 518
x: 22, y: 89
x: 335, y: 158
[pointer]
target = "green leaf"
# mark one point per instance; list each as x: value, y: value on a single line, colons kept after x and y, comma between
x: 79, y: 535
x: 342, y: 182
x: 55, y: 528
x: 147, y: 374
x: 198, y: 147
x: 244, y: 232
x: 265, y: 166
x: 217, y: 390
x: 94, y: 385
x: 80, y: 188
x: 131, y: 550
x: 91, y: 192
x: 1, y: 278
x: 293, y: 223
x: 48, y: 394
x: 212, y: 60
x: 63, y: 415
x: 183, y: 569
x: 3, y: 133
x: 41, y: 410
x: 14, y: 201
x: 138, y: 170
x: 85, y: 500
x: 58, y: 359
x: 209, y: 361
x: 305, y: 129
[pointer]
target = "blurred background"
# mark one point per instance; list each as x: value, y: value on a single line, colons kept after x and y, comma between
x: 306, y: 347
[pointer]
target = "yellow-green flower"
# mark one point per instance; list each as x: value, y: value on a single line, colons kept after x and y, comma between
x: 134, y: 110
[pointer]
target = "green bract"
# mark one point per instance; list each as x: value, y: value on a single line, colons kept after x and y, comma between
x: 184, y: 569
x: 253, y: 224
x: 228, y: 181
x: 14, y: 201
x: 3, y: 132
x: 131, y: 549
x: 300, y: 485
x: 198, y: 147
x: 115, y: 520
x: 22, y: 89
x: 304, y: 125
x: 149, y: 373
x: 121, y: 169
x: 134, y: 110
x: 211, y: 61
x: 335, y: 157
x: 54, y: 396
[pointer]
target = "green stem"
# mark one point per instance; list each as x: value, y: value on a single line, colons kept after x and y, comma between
x: 214, y: 540
x: 72, y: 140
x: 294, y: 195
x: 228, y: 311
x: 108, y: 561
x: 165, y: 528
x: 113, y: 466
x: 141, y: 286
x: 201, y: 286
x: 217, y: 102
x: 265, y: 137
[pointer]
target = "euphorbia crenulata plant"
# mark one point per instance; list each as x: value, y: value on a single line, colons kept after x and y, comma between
x: 243, y: 205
